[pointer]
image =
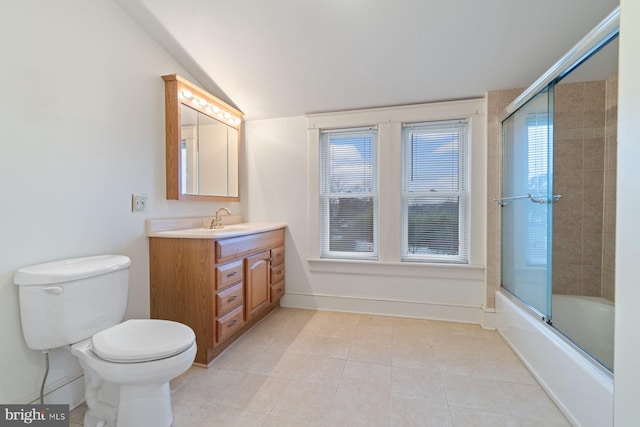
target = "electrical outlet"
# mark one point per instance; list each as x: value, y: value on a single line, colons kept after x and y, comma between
x: 139, y: 202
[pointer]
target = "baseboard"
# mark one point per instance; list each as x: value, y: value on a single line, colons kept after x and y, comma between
x: 385, y: 307
x: 489, y: 319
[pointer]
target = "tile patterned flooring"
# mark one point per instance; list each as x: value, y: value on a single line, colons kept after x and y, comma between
x: 317, y: 368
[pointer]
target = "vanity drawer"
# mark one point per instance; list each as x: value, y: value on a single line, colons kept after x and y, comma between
x: 230, y: 323
x: 277, y: 291
x: 229, y: 298
x: 228, y: 274
x: 277, y: 256
x: 235, y: 247
x: 277, y: 273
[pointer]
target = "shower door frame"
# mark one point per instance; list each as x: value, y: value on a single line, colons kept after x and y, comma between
x: 542, y: 307
x: 602, y: 34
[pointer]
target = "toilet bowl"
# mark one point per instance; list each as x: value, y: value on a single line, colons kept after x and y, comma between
x: 79, y: 304
x: 139, y: 357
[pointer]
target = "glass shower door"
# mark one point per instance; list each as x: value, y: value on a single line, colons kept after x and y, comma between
x: 526, y: 212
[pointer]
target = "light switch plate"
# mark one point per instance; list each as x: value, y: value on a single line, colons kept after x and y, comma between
x: 139, y: 202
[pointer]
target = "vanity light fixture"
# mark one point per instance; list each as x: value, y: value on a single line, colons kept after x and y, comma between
x: 211, y: 109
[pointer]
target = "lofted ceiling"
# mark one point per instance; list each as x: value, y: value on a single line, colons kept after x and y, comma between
x: 284, y: 58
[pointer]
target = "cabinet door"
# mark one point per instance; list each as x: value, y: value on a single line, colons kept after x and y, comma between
x: 257, y: 283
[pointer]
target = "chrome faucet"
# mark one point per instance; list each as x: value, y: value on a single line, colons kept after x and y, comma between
x: 216, y: 221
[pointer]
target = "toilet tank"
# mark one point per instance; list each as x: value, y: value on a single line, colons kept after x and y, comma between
x: 64, y: 302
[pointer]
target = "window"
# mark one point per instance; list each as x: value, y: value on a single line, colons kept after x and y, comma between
x: 435, y: 196
x: 349, y: 193
x: 537, y: 186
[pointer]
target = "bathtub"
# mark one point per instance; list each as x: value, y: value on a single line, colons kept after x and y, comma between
x: 587, y: 321
x: 580, y: 387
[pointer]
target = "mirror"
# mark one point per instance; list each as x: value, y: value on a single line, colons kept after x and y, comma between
x: 203, y: 144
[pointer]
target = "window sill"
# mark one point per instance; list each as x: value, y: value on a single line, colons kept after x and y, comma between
x: 397, y: 269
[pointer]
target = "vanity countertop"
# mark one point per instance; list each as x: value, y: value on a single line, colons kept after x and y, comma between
x: 197, y: 232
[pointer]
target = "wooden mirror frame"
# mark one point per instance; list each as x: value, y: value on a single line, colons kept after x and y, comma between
x: 174, y: 85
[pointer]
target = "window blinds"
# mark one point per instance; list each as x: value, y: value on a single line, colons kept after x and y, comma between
x: 537, y: 185
x: 435, y: 196
x: 349, y: 193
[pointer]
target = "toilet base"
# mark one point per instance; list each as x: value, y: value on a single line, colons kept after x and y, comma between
x: 129, y: 394
x: 137, y: 406
x: 144, y: 406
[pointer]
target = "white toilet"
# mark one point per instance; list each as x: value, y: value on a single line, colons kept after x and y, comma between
x: 127, y: 366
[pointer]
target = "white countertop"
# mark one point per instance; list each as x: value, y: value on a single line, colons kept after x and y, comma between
x: 232, y: 230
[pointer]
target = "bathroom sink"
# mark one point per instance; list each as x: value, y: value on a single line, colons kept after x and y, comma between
x: 223, y: 230
x: 212, y: 233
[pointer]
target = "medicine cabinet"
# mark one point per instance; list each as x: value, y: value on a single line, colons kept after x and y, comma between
x: 202, y: 143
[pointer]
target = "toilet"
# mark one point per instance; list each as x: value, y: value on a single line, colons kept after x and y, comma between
x: 79, y: 304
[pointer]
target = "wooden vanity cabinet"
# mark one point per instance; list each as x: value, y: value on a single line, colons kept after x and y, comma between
x: 276, y: 289
x: 257, y: 283
x: 218, y: 287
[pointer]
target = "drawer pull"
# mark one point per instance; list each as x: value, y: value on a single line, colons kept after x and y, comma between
x: 232, y: 274
x: 233, y: 298
x: 232, y: 323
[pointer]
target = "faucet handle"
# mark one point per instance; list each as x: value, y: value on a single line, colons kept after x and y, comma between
x: 214, y: 222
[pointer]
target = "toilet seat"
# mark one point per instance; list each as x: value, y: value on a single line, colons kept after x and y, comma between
x: 142, y: 340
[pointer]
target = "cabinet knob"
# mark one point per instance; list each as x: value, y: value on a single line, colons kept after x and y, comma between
x: 233, y: 298
x: 232, y: 274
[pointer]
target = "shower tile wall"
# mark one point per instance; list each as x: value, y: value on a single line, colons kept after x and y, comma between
x: 579, y: 151
x: 497, y: 101
x: 584, y: 169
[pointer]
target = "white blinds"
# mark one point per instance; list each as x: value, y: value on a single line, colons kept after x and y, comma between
x: 349, y: 193
x: 537, y: 185
x: 435, y: 196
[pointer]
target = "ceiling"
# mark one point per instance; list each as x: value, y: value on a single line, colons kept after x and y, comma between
x: 284, y: 58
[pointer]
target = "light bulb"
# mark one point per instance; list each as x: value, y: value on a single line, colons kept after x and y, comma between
x: 227, y: 115
x: 202, y: 102
x: 187, y: 94
x: 216, y: 109
x: 237, y: 121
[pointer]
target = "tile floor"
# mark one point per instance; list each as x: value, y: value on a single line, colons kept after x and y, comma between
x: 318, y: 368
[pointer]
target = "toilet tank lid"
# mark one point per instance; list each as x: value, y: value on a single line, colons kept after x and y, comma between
x: 70, y: 269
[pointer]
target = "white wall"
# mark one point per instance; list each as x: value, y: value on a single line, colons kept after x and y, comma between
x: 276, y: 167
x: 282, y: 157
x: 82, y: 125
x: 627, y: 344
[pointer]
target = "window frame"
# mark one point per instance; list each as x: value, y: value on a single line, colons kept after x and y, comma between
x: 389, y: 122
x: 326, y: 196
x: 462, y: 194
